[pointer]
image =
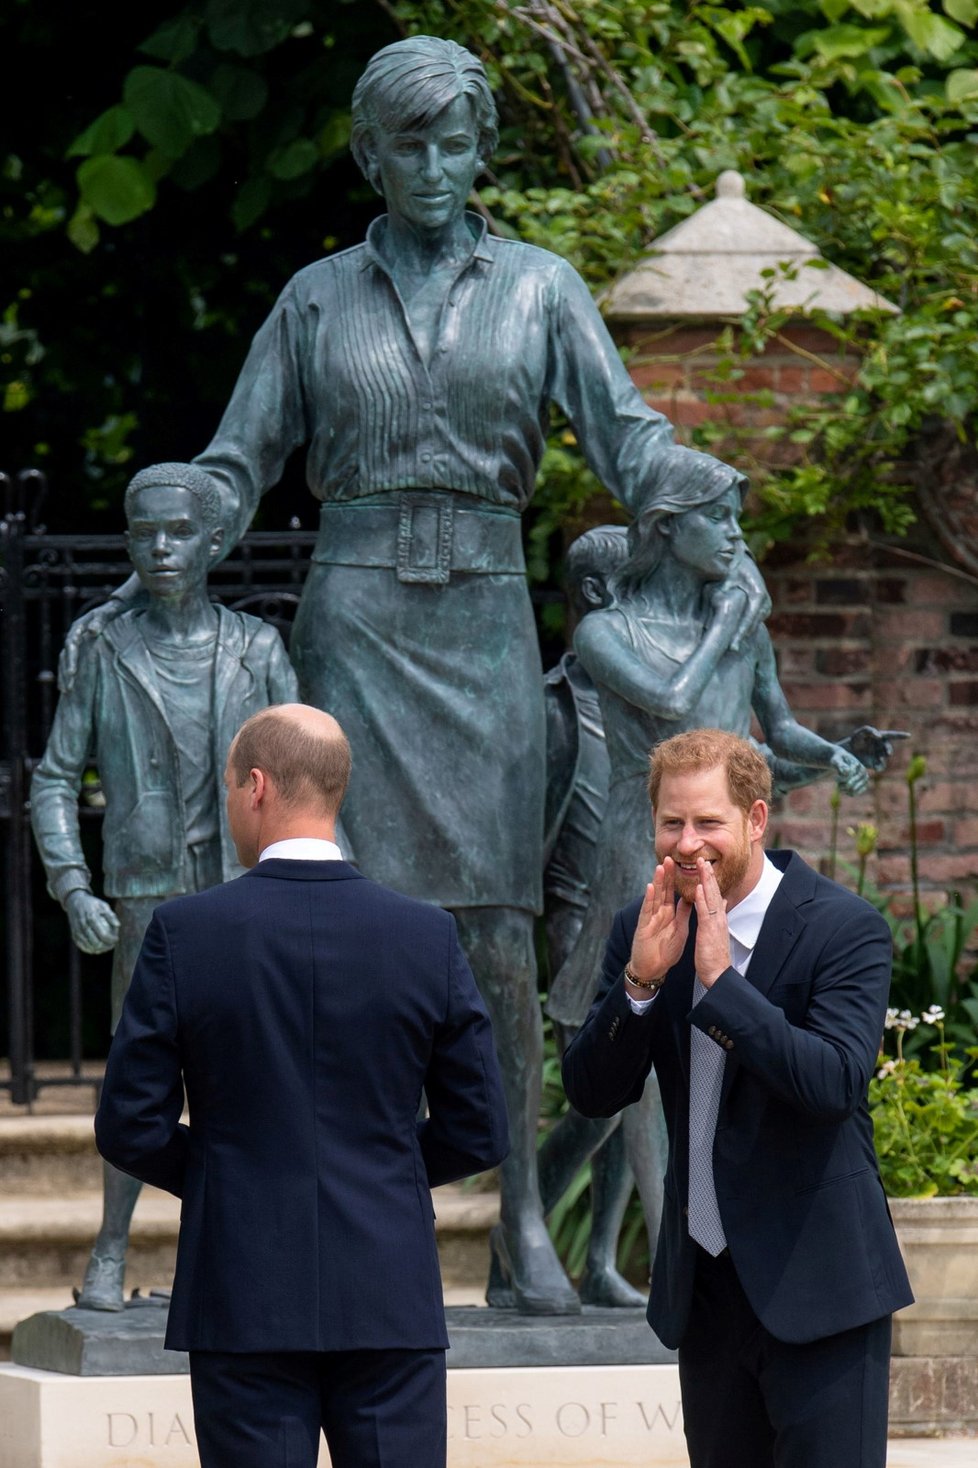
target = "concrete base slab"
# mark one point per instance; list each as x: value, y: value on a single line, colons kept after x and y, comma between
x: 484, y: 1338
x: 574, y: 1417
x: 79, y: 1342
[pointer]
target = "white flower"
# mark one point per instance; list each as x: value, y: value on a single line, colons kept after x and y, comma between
x: 886, y: 1069
x: 891, y: 1018
x: 933, y: 1015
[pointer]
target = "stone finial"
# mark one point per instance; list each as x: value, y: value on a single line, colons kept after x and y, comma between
x: 730, y: 185
x: 704, y: 267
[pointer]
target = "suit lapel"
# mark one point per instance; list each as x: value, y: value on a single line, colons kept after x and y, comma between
x: 780, y: 931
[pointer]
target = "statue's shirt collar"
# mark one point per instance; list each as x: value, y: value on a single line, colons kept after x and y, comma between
x: 376, y: 234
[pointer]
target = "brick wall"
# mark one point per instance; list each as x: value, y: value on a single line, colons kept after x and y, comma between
x: 878, y: 638
x: 885, y: 634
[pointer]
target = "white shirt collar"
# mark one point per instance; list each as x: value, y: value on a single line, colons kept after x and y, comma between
x: 302, y: 848
x: 744, y: 920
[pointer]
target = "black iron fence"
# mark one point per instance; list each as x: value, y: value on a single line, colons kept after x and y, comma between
x: 46, y: 581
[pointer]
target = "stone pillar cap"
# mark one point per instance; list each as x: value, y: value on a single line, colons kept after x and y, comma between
x: 704, y: 267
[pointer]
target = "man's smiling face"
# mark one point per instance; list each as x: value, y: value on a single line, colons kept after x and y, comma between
x: 696, y: 817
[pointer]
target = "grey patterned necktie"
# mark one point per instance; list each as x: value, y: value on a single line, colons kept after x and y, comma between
x: 706, y: 1062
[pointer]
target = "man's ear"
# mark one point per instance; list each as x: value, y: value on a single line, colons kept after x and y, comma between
x: 217, y: 540
x: 757, y: 821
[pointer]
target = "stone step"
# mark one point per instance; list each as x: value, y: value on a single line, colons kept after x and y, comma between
x: 45, y: 1239
x: 48, y: 1155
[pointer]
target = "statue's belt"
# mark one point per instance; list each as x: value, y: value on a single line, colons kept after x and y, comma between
x: 423, y: 537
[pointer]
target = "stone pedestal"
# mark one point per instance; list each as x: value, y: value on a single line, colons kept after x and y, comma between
x: 939, y: 1239
x: 509, y: 1417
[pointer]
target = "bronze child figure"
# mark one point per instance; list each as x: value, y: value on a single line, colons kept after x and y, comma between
x: 154, y: 701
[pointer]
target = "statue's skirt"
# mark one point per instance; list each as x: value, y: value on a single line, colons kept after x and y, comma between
x: 434, y: 672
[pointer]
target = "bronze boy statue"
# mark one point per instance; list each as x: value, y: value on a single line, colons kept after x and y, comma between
x: 154, y: 701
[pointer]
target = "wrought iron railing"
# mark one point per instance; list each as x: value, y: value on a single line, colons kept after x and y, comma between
x: 46, y: 581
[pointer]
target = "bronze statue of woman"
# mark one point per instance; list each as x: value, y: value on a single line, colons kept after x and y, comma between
x: 418, y: 369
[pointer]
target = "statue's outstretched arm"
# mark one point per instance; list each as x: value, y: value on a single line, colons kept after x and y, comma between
x: 801, y: 749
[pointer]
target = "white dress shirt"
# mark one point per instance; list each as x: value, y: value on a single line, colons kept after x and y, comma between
x: 302, y: 848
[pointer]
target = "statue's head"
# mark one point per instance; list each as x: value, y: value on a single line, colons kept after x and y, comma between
x: 174, y: 535
x: 682, y: 481
x: 407, y: 85
x: 182, y: 476
x: 590, y: 562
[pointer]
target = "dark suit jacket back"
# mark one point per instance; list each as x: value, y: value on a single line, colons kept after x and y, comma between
x: 795, y: 1170
x: 305, y: 1008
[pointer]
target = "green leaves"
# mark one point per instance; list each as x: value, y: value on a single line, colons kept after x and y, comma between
x: 168, y: 109
x: 106, y: 134
x: 116, y: 189
x: 251, y: 27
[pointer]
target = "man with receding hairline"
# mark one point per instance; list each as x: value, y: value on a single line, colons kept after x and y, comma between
x: 303, y: 1009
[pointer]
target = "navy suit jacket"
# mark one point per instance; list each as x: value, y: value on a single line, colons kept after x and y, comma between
x: 796, y: 1177
x: 303, y: 1008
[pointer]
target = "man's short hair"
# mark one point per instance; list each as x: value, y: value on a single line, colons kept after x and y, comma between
x: 406, y: 85
x: 748, y: 775
x: 302, y: 764
x: 184, y: 476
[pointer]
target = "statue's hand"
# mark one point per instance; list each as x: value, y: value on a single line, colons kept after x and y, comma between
x: 92, y: 624
x: 729, y: 602
x: 94, y: 926
x: 746, y: 574
x: 872, y: 747
x: 851, y: 776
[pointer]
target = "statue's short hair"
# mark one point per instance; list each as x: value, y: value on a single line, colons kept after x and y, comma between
x: 406, y: 85
x: 303, y: 764
x: 747, y: 771
x: 185, y: 476
x: 598, y: 552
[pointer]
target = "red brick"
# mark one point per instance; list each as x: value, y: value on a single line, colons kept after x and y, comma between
x: 795, y: 660
x: 891, y: 590
x: 657, y: 375
x: 966, y: 832
x: 821, y: 380
x: 812, y: 339
x: 844, y: 662
x: 912, y: 693
x: 946, y: 659
x: 963, y: 695
x: 941, y: 590
x: 929, y: 833
x: 841, y: 591
x: 827, y: 695
x: 955, y: 866
x: 893, y: 870
x: 684, y: 409
x: 819, y: 624
x: 679, y: 342
x: 793, y: 380
x: 920, y: 626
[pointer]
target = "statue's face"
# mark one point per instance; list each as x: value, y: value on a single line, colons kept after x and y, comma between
x: 426, y: 175
x: 708, y: 539
x: 169, y: 544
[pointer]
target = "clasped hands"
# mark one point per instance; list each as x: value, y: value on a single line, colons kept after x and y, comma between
x: 663, y: 927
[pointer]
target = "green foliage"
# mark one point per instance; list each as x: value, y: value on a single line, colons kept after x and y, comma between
x: 854, y: 122
x: 209, y: 155
x: 925, y: 1122
x: 933, y: 949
